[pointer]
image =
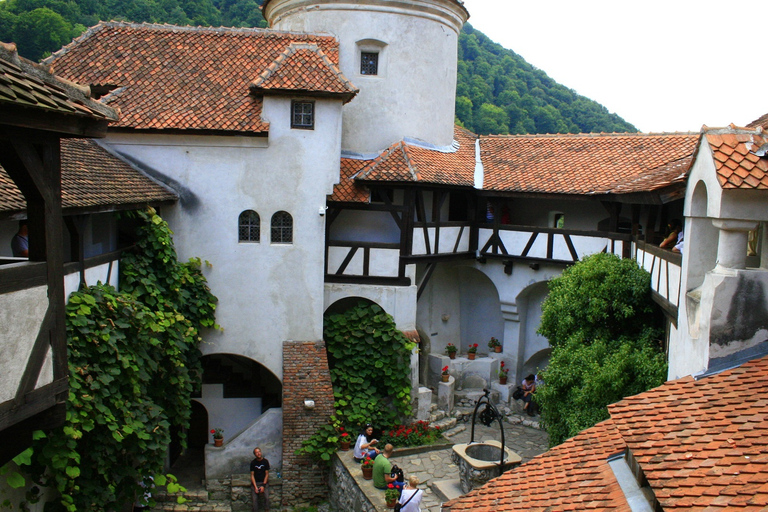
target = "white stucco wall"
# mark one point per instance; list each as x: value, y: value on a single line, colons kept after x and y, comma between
x: 21, y: 314
x: 413, y: 94
x: 267, y: 292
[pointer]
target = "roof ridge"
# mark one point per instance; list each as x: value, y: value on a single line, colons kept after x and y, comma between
x: 587, y: 135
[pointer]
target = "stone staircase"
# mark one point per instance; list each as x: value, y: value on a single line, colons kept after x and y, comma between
x: 197, y: 500
x: 447, y: 424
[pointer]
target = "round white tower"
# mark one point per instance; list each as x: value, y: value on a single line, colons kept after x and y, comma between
x: 402, y: 56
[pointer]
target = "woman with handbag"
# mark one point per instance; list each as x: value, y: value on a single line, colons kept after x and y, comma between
x: 410, y: 498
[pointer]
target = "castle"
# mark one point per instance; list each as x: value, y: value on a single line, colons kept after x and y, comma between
x: 316, y: 163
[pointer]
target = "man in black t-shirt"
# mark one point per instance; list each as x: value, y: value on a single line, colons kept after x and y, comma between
x: 259, y: 479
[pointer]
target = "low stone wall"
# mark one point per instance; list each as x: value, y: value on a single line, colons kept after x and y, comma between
x: 237, y: 491
x: 344, y: 490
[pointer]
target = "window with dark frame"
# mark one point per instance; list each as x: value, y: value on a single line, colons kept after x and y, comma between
x: 249, y: 226
x: 282, y: 228
x: 303, y: 115
x: 369, y: 63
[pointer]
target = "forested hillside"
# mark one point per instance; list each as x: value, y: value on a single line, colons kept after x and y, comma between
x: 497, y: 92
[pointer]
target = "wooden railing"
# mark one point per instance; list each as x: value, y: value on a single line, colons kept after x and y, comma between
x: 665, y: 268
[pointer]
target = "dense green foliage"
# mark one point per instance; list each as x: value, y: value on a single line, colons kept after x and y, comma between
x: 497, y: 92
x: 370, y: 362
x: 134, y: 363
x: 599, y: 319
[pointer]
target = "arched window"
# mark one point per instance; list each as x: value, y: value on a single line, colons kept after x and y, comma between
x: 248, y: 226
x: 282, y: 228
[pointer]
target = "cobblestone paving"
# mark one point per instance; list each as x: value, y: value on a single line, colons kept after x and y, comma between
x: 436, y: 466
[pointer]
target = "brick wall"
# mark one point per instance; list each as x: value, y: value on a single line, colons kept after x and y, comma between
x: 305, y: 377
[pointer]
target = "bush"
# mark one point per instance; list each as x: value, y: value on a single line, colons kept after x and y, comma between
x: 415, y: 434
x: 599, y: 319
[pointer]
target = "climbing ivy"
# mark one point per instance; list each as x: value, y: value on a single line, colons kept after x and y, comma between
x: 370, y: 362
x: 134, y: 363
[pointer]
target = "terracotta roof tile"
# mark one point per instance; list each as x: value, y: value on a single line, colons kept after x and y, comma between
x: 586, y: 163
x: 181, y: 78
x: 26, y: 84
x: 760, y: 122
x: 304, y: 67
x: 91, y: 177
x: 408, y: 162
x: 347, y: 190
x: 701, y: 444
x: 736, y: 163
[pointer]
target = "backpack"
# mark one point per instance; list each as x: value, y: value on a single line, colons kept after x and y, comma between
x: 518, y: 393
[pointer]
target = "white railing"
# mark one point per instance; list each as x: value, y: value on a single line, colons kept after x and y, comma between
x: 665, y: 269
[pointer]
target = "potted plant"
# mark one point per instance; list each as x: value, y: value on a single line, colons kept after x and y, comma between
x: 445, y: 374
x: 344, y: 439
x: 367, y: 466
x: 503, y: 373
x: 472, y: 351
x: 218, y: 436
x: 391, y: 495
x: 451, y: 350
x: 494, y: 345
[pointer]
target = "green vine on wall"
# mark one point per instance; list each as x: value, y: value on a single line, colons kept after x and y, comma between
x: 134, y: 362
x: 370, y: 362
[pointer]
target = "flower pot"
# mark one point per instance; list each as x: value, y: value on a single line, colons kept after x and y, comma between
x: 368, y: 472
x: 502, y: 380
x: 345, y: 446
x: 452, y: 355
x: 391, y: 504
x: 471, y: 355
x: 446, y: 377
x: 218, y: 441
x: 497, y: 349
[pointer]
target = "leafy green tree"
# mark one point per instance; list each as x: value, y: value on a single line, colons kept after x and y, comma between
x: 599, y: 319
x: 41, y: 30
x: 491, y: 119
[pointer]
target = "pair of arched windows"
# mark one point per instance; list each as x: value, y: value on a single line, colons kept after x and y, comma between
x: 249, y: 227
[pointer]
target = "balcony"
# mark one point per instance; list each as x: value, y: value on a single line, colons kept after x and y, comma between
x: 665, y: 269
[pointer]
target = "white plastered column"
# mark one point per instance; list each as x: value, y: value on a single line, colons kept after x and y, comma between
x: 732, y: 246
x: 513, y: 349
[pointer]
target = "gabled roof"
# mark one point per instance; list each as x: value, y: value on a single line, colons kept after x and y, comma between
x: 701, y: 444
x: 28, y: 89
x: 304, y: 68
x: 92, y: 179
x: 410, y: 162
x: 164, y: 77
x: 616, y: 163
x: 741, y: 157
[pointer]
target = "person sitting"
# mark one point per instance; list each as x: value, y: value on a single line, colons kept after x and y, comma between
x: 529, y: 387
x: 364, y: 446
x: 382, y: 470
x: 410, y: 497
x: 674, y: 236
x: 20, y: 241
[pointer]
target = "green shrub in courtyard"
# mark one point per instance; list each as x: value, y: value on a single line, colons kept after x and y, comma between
x: 599, y: 319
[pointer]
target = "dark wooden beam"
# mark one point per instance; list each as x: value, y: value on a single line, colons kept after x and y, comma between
x: 21, y: 432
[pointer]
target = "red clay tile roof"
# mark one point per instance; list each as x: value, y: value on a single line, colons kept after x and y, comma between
x: 701, y: 444
x: 348, y: 190
x: 760, y: 122
x: 304, y: 68
x: 180, y: 78
x: 736, y: 163
x: 91, y: 177
x: 586, y: 163
x: 405, y: 162
x: 572, y: 476
x: 26, y: 84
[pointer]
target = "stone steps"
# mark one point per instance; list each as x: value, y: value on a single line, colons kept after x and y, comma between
x: 455, y: 430
x: 196, y: 500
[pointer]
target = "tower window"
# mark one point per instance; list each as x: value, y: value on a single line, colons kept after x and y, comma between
x: 303, y: 115
x: 282, y: 228
x: 369, y: 63
x: 248, y: 226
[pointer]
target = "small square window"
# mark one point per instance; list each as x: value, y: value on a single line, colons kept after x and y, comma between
x: 303, y: 115
x: 369, y: 63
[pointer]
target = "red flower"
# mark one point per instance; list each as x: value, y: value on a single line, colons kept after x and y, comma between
x: 474, y: 346
x: 344, y: 434
x: 391, y: 486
